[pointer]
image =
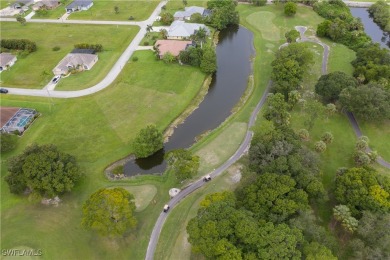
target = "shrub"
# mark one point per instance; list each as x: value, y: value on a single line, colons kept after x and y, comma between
x: 327, y: 138
x: 146, y: 43
x: 131, y: 18
x: 304, y: 134
x: 118, y: 170
x: 135, y: 58
x: 7, y: 142
x: 56, y: 48
x: 290, y: 9
x: 97, y: 47
x: 320, y: 146
x: 18, y: 44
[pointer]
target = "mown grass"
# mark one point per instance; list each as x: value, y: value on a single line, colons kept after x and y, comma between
x: 35, y: 70
x: 104, y: 10
x: 98, y: 130
x: 379, y: 135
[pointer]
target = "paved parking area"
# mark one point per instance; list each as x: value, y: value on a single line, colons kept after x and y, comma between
x: 9, y: 11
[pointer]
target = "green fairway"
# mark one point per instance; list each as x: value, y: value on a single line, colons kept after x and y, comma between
x: 98, y: 130
x: 105, y: 10
x: 35, y: 70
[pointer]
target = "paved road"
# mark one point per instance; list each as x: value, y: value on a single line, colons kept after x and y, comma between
x: 115, y: 70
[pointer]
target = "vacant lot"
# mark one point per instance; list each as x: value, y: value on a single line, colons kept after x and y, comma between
x: 35, y: 70
x: 105, y: 10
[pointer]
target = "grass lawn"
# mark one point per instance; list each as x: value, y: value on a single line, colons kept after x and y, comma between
x: 151, y: 39
x: 98, y: 129
x: 104, y: 10
x: 55, y: 13
x: 35, y: 70
x: 379, y: 135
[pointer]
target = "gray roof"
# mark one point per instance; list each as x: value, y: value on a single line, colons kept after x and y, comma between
x: 78, y: 3
x: 188, y: 11
x: 5, y: 58
x: 86, y: 51
x: 182, y: 29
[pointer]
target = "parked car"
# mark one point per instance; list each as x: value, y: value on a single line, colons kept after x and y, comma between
x: 56, y: 79
x: 3, y: 90
x: 166, y: 208
x: 207, y: 177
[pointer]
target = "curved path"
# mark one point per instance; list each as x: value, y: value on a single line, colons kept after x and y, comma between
x: 241, y: 150
x: 115, y: 70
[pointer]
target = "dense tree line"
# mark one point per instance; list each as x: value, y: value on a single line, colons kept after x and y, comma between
x: 340, y: 26
x: 18, y: 44
x: 381, y: 14
x: 42, y: 170
x: 289, y: 67
x: 96, y: 47
x: 223, y: 13
x: 205, y: 58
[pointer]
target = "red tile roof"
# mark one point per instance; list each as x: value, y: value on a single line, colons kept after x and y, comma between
x: 172, y: 46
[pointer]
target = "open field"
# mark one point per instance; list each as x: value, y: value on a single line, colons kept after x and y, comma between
x: 98, y: 130
x: 105, y: 10
x: 35, y: 70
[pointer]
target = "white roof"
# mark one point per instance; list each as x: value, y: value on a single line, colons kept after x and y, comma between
x: 182, y: 29
x: 6, y: 58
x: 188, y: 11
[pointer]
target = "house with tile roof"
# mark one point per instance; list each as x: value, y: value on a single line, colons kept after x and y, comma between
x: 174, y: 47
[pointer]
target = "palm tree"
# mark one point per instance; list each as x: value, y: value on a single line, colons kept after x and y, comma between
x: 164, y: 33
x: 149, y: 28
x: 200, y: 36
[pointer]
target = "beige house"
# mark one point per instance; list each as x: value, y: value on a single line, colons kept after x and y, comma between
x: 79, y: 61
x: 172, y: 46
x: 46, y: 4
x: 6, y: 60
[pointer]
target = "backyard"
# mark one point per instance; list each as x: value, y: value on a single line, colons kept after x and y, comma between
x: 113, y: 38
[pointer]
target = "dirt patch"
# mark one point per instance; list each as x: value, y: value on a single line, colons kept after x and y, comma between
x: 235, y: 173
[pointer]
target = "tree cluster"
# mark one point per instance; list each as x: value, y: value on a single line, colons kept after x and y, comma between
x: 205, y: 58
x: 96, y: 47
x: 289, y: 67
x: 381, y: 14
x: 18, y: 44
x: 43, y: 170
x: 166, y: 18
x: 329, y: 86
x: 223, y: 13
x: 340, y: 26
x: 109, y: 212
x: 372, y: 63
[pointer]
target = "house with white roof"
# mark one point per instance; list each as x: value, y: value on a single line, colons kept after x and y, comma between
x: 78, y: 61
x: 6, y: 60
x: 181, y: 30
x: 188, y: 11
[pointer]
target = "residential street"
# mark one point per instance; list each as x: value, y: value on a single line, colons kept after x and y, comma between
x: 115, y: 70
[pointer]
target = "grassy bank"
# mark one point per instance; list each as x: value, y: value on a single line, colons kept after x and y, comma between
x: 35, y: 70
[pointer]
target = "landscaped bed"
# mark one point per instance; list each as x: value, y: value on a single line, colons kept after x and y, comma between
x: 35, y: 70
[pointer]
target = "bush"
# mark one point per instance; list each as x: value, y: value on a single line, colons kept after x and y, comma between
x: 327, y: 138
x: 135, y: 58
x: 18, y: 44
x: 118, y: 170
x: 97, y: 47
x: 56, y: 48
x: 7, y: 142
x: 146, y: 43
x: 303, y: 134
x: 320, y: 146
x: 131, y: 18
x: 290, y: 8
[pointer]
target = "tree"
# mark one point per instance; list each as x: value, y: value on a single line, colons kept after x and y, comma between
x: 316, y: 251
x: 329, y: 86
x: 361, y: 189
x: 7, y: 142
x: 196, y: 18
x: 273, y: 197
x: 116, y: 9
x: 276, y: 110
x: 21, y: 20
x: 148, y: 141
x: 304, y: 134
x: 369, y: 102
x: 330, y: 109
x: 192, y: 56
x: 44, y: 170
x: 320, y: 146
x: 343, y: 215
x: 290, y: 8
x: 199, y: 36
x: 149, y: 28
x: 166, y: 18
x: 314, y: 110
x: 164, y: 33
x: 183, y: 163
x: 292, y: 36
x: 110, y: 212
x: 361, y: 158
x: 208, y: 63
x: 293, y: 98
x: 361, y: 145
x: 223, y: 13
x: 258, y: 2
x: 327, y: 138
x: 185, y: 2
